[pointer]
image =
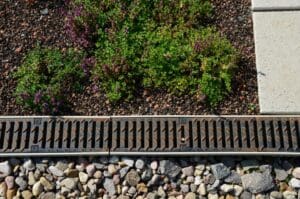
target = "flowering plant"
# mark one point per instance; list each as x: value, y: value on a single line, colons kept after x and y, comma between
x: 46, y: 77
x: 156, y: 44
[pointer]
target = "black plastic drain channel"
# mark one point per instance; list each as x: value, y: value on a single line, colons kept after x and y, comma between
x: 150, y: 135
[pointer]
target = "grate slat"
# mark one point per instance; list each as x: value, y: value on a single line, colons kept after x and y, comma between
x: 140, y: 135
x: 294, y: 135
x: 147, y: 129
x: 74, y: 135
x: 193, y: 136
x: 16, y: 136
x: 123, y: 134
x: 7, y: 134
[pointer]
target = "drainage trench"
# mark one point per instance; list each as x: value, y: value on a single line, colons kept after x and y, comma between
x: 150, y: 135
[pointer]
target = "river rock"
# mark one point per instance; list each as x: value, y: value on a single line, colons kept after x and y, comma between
x: 132, y: 191
x: 142, y: 188
x: 10, y: 182
x: 29, y: 165
x: 62, y: 165
x: 296, y: 172
x: 154, y: 165
x: 237, y: 190
x: 166, y: 167
x: 139, y: 164
x: 125, y: 189
x: 281, y: 174
x: 128, y: 162
x: 41, y: 167
x: 109, y: 186
x: 233, y: 178
x: 188, y: 171
x: 295, y: 183
x: 147, y: 174
x: 31, y: 178
x: 112, y: 169
x: 116, y: 179
x: 55, y: 171
x: 97, y: 175
x: 5, y: 169
x: 48, y: 195
x: 220, y: 171
x: 184, y: 188
x: 3, y: 189
x: 202, y: 189
x: 290, y: 195
x: 92, y: 187
x: 48, y: 186
x: 90, y: 170
x: 276, y: 195
x: 209, y: 179
x: 11, y: 193
x: 123, y: 171
x: 246, y: 195
x: 37, y: 189
x: 152, y: 195
x: 21, y: 183
x: 83, y: 177
x: 198, y: 180
x: 190, y: 195
x: 257, y: 182
x: 226, y: 188
x: 132, y: 178
x: 27, y: 194
x: 69, y: 183
x: 213, y: 196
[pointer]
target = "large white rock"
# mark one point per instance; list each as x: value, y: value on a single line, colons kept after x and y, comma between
x: 277, y: 46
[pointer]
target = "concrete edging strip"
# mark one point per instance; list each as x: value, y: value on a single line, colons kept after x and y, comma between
x: 275, y: 5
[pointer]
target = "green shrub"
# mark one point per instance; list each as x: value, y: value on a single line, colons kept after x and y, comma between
x: 156, y: 44
x: 46, y: 77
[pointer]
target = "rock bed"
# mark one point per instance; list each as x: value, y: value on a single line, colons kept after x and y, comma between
x: 123, y: 178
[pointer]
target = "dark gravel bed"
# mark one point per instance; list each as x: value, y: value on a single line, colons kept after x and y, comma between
x: 23, y: 25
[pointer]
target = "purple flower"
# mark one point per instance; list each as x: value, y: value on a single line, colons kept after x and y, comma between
x: 87, y: 64
x: 79, y: 32
x: 37, y: 97
x: 95, y: 89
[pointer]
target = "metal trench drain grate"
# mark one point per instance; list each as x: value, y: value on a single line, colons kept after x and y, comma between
x: 149, y: 135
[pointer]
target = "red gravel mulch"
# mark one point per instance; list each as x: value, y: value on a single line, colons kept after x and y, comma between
x: 23, y: 25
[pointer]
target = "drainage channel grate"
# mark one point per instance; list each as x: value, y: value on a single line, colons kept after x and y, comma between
x: 149, y: 135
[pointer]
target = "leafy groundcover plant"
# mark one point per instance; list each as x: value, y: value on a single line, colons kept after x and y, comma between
x: 156, y: 44
x: 46, y: 77
x: 133, y: 44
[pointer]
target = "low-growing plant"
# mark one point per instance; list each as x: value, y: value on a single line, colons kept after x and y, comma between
x: 46, y: 77
x: 156, y: 44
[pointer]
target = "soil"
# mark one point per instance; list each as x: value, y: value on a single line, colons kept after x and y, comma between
x: 22, y: 25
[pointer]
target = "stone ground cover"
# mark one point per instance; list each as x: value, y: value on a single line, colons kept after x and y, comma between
x: 127, y: 177
x: 23, y: 25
